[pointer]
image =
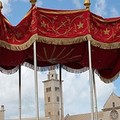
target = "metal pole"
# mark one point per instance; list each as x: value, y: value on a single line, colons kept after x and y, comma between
x: 95, y: 96
x: 91, y: 80
x: 36, y: 82
x: 19, y: 92
x: 60, y: 102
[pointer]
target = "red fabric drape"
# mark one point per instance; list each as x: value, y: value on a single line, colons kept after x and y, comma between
x: 62, y: 39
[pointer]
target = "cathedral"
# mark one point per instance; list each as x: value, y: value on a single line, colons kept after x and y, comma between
x: 110, y: 111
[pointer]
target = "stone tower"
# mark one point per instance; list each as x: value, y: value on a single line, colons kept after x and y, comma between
x: 52, y: 96
x: 2, y: 112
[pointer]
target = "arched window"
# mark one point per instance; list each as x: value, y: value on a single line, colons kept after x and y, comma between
x: 113, y: 104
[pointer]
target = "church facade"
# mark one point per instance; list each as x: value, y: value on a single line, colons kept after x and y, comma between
x: 110, y: 111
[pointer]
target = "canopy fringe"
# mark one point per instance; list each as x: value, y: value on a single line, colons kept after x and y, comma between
x: 110, y: 80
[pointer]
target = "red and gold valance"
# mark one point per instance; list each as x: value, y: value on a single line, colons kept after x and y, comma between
x: 62, y: 37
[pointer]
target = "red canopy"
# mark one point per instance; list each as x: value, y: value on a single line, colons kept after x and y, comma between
x: 62, y: 37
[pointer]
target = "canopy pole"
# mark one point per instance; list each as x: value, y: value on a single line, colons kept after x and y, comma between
x: 92, y: 92
x: 36, y: 82
x: 33, y: 2
x: 91, y: 80
x: 19, y: 92
x: 60, y: 101
x: 95, y: 96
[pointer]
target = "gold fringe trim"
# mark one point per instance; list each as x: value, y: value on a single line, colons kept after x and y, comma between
x: 47, y: 40
x: 20, y: 47
x: 62, y: 41
x: 59, y: 41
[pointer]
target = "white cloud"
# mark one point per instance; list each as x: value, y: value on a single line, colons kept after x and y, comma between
x: 77, y: 93
x: 6, y: 6
x: 39, y: 3
x: 100, y: 7
x: 103, y: 91
x: 77, y: 3
x: 114, y: 12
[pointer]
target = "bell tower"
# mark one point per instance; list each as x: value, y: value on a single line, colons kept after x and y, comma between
x: 52, y: 96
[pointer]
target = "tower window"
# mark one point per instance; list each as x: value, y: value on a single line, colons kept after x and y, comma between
x: 48, y: 99
x: 49, y: 113
x: 56, y: 88
x: 57, y: 99
x: 48, y: 89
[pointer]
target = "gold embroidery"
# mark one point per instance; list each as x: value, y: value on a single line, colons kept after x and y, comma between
x: 80, y: 25
x: 62, y: 24
x: 106, y: 31
x: 18, y: 35
x: 43, y: 24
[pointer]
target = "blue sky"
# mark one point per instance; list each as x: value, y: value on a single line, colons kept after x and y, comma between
x: 76, y: 84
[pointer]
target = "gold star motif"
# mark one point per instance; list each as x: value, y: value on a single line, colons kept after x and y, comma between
x: 80, y: 25
x: 106, y: 31
x: 43, y: 24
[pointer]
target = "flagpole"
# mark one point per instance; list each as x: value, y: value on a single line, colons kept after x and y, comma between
x: 95, y: 96
x: 36, y: 82
x: 91, y: 80
x: 19, y: 92
x: 60, y: 102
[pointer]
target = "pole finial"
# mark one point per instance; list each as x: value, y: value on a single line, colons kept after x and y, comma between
x: 33, y: 1
x: 87, y: 4
x: 1, y: 6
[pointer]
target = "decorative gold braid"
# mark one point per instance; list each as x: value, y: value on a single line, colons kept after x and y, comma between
x: 50, y: 11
